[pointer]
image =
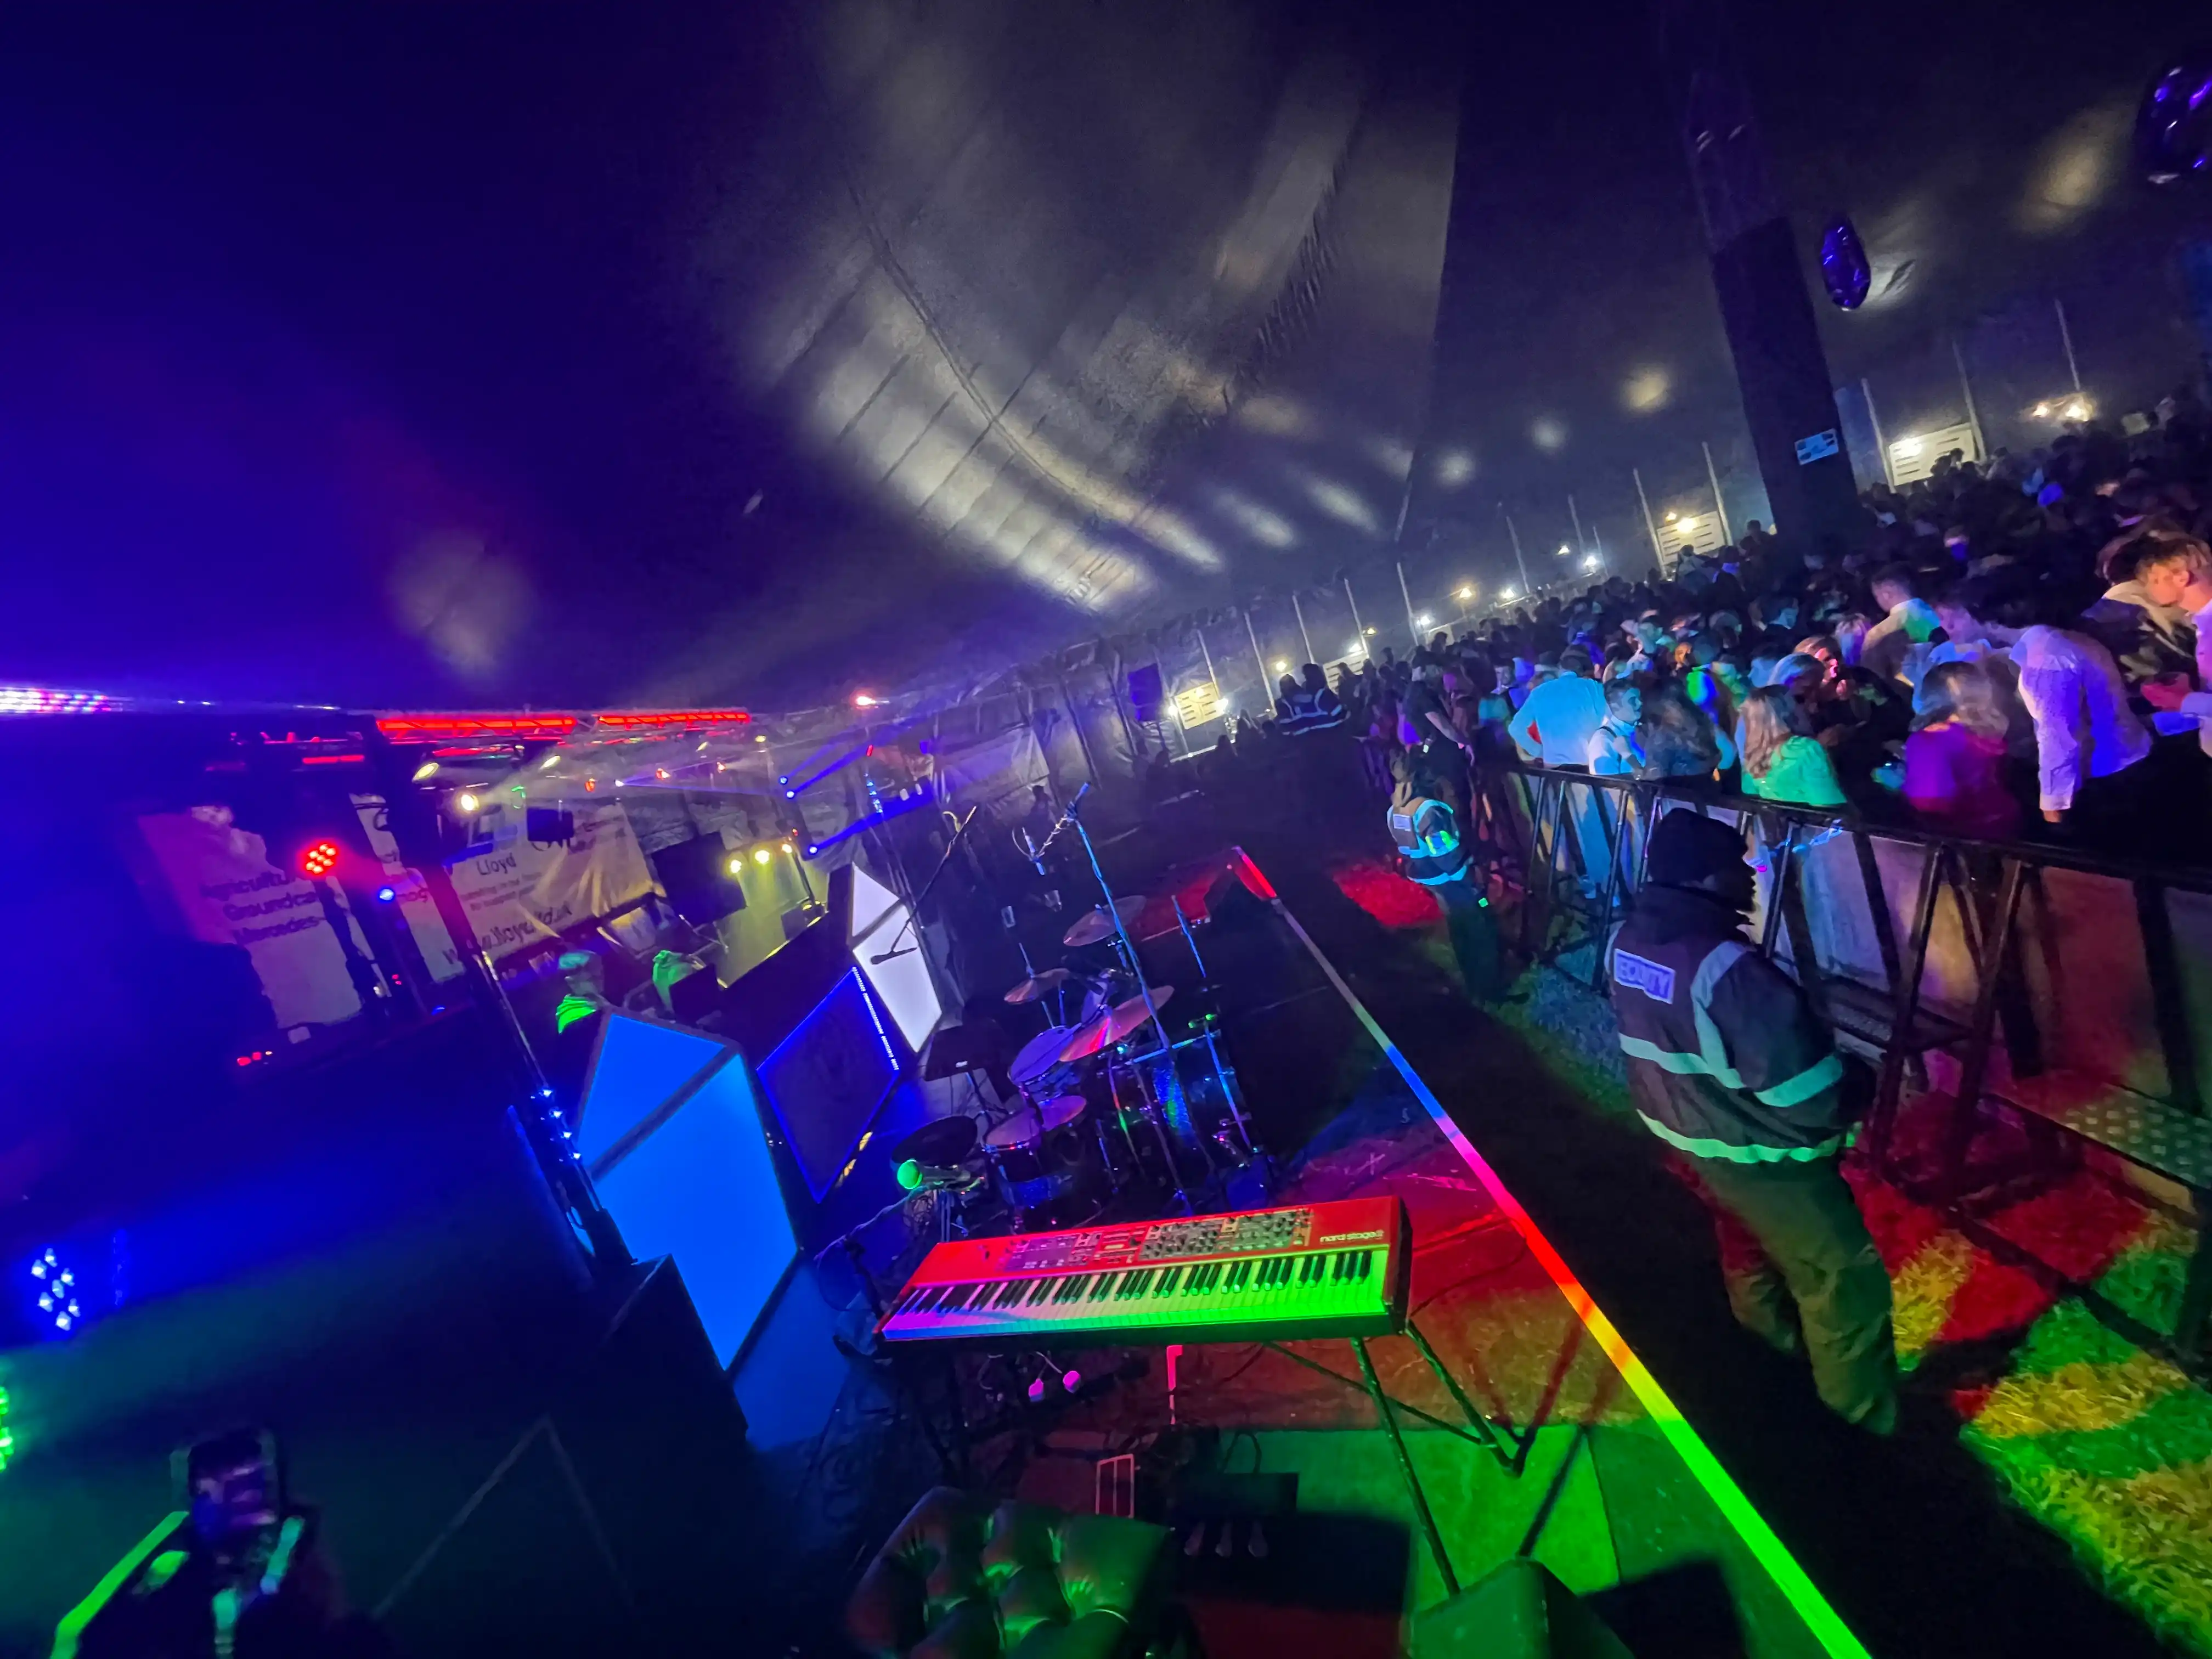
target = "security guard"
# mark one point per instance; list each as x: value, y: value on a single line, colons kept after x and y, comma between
x: 1729, y: 1064
x: 1427, y: 830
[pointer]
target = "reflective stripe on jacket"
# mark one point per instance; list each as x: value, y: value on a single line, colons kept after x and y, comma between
x: 1427, y: 833
x: 1726, y: 1058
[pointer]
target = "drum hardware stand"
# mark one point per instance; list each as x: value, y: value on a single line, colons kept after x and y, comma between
x: 1211, y: 1038
x: 1121, y: 933
x: 1167, y: 1149
x: 1478, y: 1431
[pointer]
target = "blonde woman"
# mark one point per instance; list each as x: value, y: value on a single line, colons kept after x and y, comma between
x: 1955, y: 759
x: 1782, y: 759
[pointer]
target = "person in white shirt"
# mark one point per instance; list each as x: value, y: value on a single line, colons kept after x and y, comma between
x: 2089, y: 745
x: 1615, y: 751
x: 1555, y: 724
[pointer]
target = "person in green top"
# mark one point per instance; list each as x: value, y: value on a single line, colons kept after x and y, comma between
x: 1782, y: 759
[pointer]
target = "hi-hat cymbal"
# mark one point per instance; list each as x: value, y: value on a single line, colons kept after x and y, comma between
x: 1039, y: 985
x: 942, y: 1141
x: 1098, y: 925
x: 1116, y: 1023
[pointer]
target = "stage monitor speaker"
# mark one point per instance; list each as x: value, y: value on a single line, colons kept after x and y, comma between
x: 697, y: 878
x: 1147, y: 693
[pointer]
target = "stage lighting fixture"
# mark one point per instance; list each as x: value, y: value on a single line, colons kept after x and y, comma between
x: 737, y: 864
x: 549, y: 762
x: 468, y: 803
x: 385, y: 894
x: 318, y: 859
x: 1367, y: 630
x: 760, y: 736
x: 426, y: 771
x: 1672, y: 516
x: 1845, y: 271
x: 1282, y: 667
x: 1509, y: 594
x: 862, y: 700
x: 1467, y: 592
x: 1565, y: 549
x: 761, y: 855
x: 1424, y: 620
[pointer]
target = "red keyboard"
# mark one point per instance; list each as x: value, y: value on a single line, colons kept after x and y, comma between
x: 1336, y: 1269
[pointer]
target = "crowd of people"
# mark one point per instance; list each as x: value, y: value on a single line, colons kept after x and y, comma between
x: 2017, y: 648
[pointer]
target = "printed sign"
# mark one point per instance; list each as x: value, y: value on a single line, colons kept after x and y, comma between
x: 1818, y: 448
x: 1197, y: 705
x: 517, y: 892
x: 230, y: 893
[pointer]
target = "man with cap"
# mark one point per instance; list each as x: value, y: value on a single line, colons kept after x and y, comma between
x: 1729, y: 1064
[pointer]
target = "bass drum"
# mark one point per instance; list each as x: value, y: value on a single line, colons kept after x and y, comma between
x: 1046, y: 1166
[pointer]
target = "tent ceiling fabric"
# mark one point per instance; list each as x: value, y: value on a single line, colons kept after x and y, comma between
x: 1125, y: 307
x: 438, y: 357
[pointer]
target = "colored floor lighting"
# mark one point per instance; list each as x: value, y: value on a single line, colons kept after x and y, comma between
x: 1805, y: 1598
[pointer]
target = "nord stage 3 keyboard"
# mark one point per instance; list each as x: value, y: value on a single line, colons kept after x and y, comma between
x: 1337, y: 1269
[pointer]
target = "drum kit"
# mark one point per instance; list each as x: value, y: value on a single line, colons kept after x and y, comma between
x: 1113, y: 1111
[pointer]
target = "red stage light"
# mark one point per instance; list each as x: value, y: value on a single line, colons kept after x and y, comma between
x: 662, y: 718
x: 431, y: 728
x: 318, y: 859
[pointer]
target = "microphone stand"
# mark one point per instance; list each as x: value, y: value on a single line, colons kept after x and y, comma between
x: 1136, y: 969
x: 914, y: 905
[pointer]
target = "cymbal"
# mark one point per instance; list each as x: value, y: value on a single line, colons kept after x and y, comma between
x: 1039, y: 985
x: 1098, y: 925
x: 941, y: 1142
x: 1116, y: 1023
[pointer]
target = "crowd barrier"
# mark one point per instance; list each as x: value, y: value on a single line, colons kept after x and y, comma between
x: 2049, y: 989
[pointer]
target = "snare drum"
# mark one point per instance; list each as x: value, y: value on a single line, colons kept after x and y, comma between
x: 1038, y: 1070
x: 1046, y: 1165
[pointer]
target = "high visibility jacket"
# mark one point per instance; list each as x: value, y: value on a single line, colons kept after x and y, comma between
x: 1321, y: 709
x: 1309, y: 711
x: 1726, y: 1059
x: 1427, y: 833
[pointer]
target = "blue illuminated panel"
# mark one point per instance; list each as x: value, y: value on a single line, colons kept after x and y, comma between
x: 826, y: 1079
x: 638, y: 1065
x: 703, y: 1188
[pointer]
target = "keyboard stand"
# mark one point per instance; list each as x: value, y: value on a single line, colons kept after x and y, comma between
x: 1485, y: 1432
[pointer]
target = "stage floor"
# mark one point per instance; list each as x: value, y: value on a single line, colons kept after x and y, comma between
x: 1612, y: 1491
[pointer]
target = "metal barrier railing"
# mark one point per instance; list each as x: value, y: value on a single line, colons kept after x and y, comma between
x: 1582, y: 842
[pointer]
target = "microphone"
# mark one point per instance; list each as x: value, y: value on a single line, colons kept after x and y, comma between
x: 1078, y: 801
x: 888, y: 954
x: 934, y: 1177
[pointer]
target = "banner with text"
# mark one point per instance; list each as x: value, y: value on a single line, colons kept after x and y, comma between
x: 518, y: 892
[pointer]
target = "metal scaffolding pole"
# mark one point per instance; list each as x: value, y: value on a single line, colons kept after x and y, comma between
x: 1299, y: 612
x: 1527, y: 591
x: 1650, y: 528
x: 1720, y: 507
x: 1266, y: 685
x: 1411, y: 627
x: 1973, y: 414
x: 1881, y: 449
x: 1356, y: 627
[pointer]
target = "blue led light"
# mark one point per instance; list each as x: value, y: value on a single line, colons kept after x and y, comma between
x: 385, y: 894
